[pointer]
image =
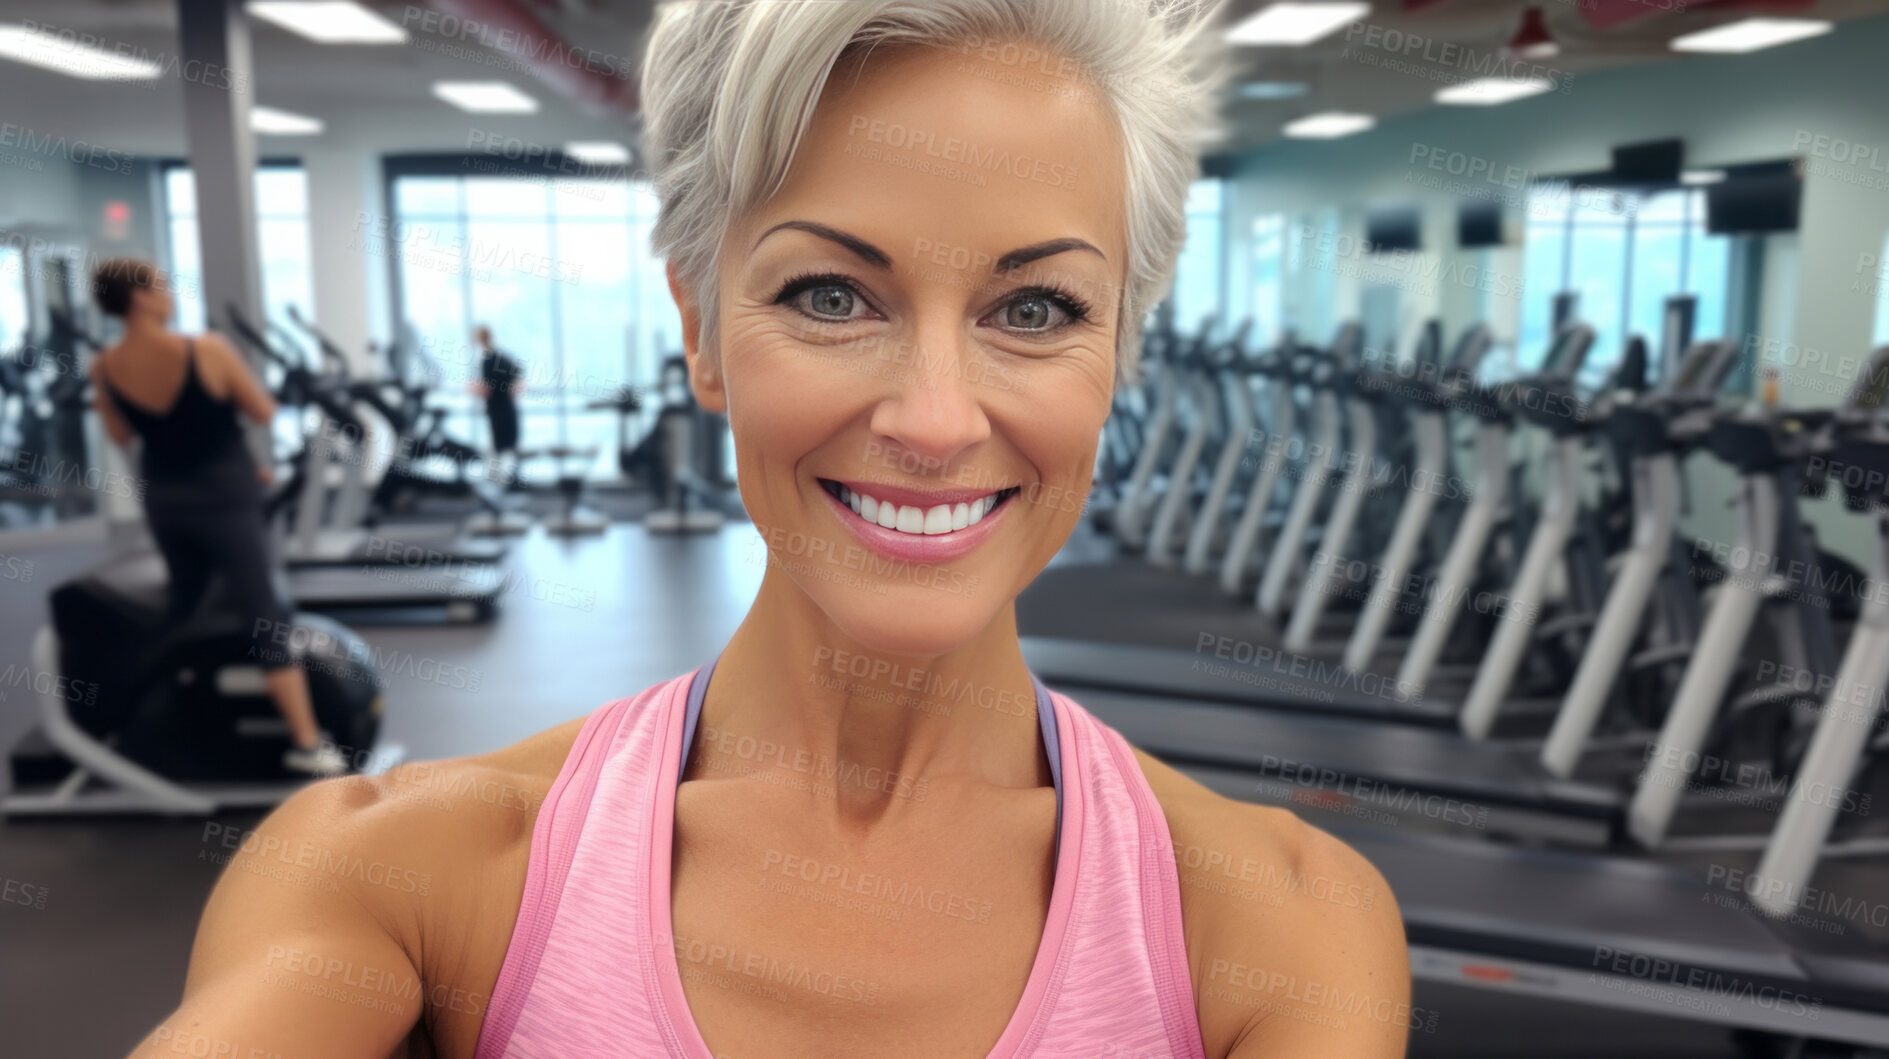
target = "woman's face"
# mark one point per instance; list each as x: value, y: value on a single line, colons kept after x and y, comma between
x: 921, y: 325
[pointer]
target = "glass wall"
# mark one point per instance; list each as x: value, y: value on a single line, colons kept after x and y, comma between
x: 1268, y: 273
x: 560, y: 270
x: 1878, y: 283
x: 1199, y: 276
x: 281, y: 242
x: 14, y: 321
x: 1625, y: 255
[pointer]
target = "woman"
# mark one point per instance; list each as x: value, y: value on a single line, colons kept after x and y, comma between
x: 865, y: 830
x: 202, y: 490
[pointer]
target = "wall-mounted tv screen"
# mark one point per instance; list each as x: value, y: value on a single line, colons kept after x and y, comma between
x: 1478, y: 223
x: 1760, y: 201
x: 1397, y: 227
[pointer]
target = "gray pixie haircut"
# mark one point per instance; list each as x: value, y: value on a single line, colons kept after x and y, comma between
x: 730, y: 86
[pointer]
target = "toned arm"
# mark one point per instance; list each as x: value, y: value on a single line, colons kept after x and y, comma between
x: 1294, y: 940
x: 293, y: 957
x: 243, y: 387
x: 367, y: 913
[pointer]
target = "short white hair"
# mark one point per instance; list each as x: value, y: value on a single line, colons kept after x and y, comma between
x: 730, y: 86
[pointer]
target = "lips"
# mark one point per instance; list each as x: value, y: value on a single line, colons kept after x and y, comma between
x: 916, y: 525
x: 930, y: 515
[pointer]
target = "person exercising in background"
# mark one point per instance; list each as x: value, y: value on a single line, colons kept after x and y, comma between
x: 500, y: 380
x: 203, y: 492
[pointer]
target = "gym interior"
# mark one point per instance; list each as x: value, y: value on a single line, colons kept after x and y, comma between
x: 1504, y: 490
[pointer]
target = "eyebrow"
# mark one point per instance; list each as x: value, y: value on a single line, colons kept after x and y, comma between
x: 867, y: 252
x: 878, y: 258
x: 1016, y: 259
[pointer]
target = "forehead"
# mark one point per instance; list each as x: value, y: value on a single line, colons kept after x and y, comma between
x: 961, y: 146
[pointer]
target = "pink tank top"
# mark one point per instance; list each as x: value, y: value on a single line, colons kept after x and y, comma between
x: 592, y: 970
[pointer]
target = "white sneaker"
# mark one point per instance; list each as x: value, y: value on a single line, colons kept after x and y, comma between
x: 322, y: 762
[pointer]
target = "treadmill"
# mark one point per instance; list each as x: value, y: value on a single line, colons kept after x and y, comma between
x: 387, y: 575
x: 1258, y: 672
x: 329, y: 532
x: 1372, y: 770
x: 1633, y: 935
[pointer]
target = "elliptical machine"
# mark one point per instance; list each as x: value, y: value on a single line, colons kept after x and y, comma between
x: 665, y: 460
x: 135, y: 716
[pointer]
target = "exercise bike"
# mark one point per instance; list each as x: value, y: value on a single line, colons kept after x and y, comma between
x: 665, y: 460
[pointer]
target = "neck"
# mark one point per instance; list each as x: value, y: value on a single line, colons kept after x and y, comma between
x: 791, y: 677
x: 144, y: 326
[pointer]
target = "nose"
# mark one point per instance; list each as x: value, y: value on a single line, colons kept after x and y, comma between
x: 933, y: 407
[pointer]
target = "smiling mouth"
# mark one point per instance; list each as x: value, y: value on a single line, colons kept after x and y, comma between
x: 918, y: 521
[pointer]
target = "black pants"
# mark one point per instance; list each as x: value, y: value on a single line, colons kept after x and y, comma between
x: 228, y: 541
x: 503, y: 411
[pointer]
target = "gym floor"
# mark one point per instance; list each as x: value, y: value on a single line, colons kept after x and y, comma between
x: 584, y: 622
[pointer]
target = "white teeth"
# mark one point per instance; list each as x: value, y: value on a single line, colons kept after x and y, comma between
x: 941, y: 518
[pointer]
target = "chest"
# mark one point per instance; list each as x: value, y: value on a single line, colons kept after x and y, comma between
x: 792, y: 939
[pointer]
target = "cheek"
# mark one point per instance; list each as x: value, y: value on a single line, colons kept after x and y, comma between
x: 782, y: 401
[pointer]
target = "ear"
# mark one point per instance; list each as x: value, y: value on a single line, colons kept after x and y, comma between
x: 705, y: 377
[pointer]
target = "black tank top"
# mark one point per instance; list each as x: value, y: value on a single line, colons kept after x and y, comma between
x: 196, y: 443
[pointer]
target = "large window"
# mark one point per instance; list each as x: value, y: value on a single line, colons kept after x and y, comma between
x: 1624, y: 255
x: 1878, y: 283
x: 1199, y: 275
x: 13, y: 318
x: 281, y: 241
x: 560, y: 270
x: 1268, y: 274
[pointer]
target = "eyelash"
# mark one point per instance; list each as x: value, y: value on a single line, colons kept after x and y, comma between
x: 1078, y: 310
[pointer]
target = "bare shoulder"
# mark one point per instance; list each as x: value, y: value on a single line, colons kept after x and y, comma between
x: 1294, y: 940
x: 438, y: 811
x: 394, y: 895
x: 399, y: 845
